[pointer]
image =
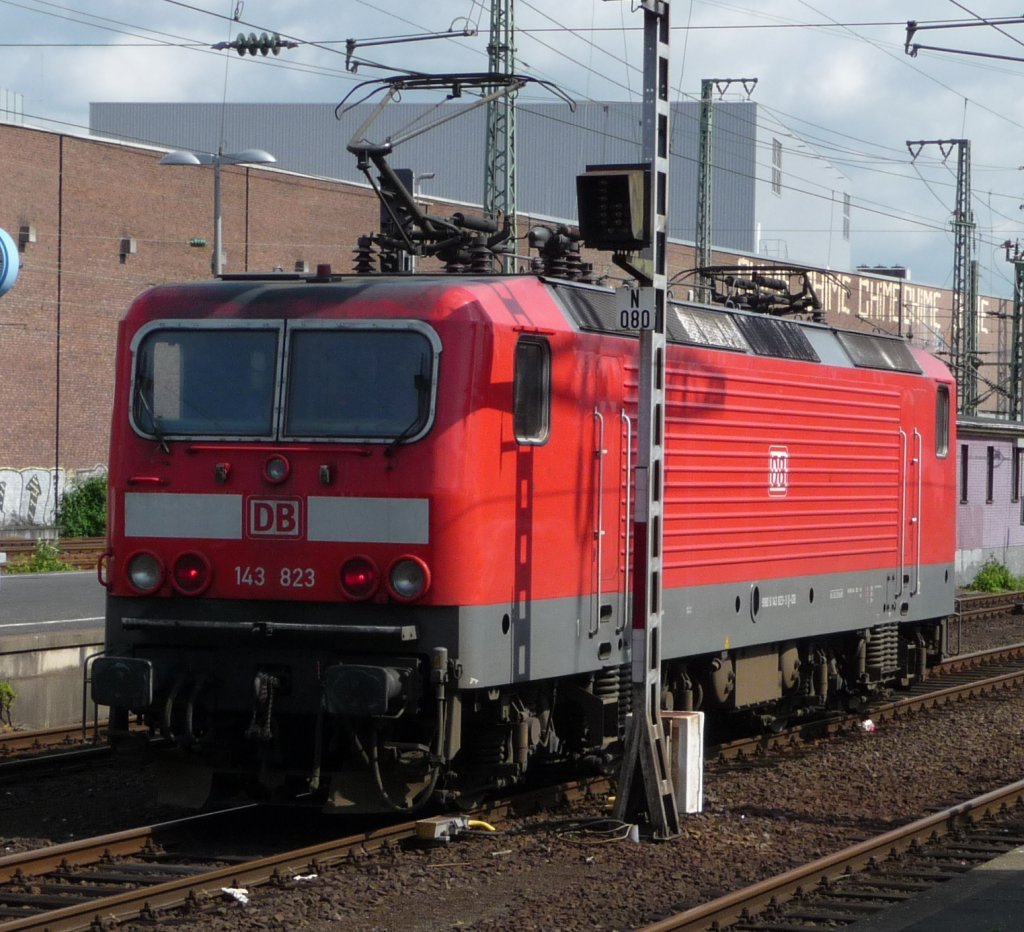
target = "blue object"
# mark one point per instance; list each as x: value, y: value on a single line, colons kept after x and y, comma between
x: 9, y: 263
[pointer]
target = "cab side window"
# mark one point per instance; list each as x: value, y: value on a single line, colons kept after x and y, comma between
x: 531, y: 391
x: 942, y: 422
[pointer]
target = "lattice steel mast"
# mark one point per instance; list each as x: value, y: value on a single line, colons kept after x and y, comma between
x: 1016, y: 256
x: 500, y: 159
x: 703, y: 234
x: 963, y: 351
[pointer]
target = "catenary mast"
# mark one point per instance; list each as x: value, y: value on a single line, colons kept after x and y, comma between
x: 500, y: 161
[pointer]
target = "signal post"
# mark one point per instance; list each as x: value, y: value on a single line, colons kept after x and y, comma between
x: 624, y: 209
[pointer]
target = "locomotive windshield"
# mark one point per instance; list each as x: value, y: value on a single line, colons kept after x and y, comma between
x: 340, y: 381
x: 206, y: 382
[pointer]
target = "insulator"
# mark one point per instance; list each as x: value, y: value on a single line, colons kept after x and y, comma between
x: 556, y: 267
x: 364, y: 255
x: 573, y: 262
x: 481, y: 259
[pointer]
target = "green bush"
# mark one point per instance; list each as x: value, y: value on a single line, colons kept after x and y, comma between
x: 995, y: 577
x: 7, y: 697
x: 45, y: 559
x: 83, y: 509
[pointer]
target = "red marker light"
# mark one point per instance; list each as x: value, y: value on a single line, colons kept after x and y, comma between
x: 191, y: 573
x: 359, y: 578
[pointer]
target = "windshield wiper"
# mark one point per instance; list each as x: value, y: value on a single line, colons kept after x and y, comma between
x: 161, y: 437
x: 154, y: 421
x: 422, y: 383
x: 400, y: 438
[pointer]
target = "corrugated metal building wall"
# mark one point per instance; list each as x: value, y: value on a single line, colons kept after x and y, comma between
x: 554, y: 145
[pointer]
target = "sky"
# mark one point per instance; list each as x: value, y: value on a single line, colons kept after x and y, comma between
x: 835, y: 73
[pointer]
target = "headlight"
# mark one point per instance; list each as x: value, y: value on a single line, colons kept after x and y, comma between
x: 276, y: 469
x: 408, y: 578
x: 145, y: 572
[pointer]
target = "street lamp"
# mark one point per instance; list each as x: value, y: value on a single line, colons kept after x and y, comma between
x: 245, y: 157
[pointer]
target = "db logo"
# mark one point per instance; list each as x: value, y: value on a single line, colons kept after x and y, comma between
x: 778, y: 470
x: 275, y: 517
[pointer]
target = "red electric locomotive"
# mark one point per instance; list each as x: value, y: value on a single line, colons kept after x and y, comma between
x: 370, y: 535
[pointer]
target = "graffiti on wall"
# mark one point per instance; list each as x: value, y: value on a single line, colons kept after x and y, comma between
x: 29, y: 497
x: 919, y: 312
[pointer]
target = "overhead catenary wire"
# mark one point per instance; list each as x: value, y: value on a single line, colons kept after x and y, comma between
x: 859, y: 203
x: 852, y: 157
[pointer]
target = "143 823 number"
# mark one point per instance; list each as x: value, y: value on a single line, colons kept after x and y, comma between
x: 290, y: 577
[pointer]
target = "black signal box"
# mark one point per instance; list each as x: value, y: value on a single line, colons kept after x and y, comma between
x: 613, y: 202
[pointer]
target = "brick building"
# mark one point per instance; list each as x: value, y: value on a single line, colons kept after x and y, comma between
x: 96, y: 224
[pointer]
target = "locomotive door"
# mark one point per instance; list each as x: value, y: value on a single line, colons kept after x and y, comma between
x: 911, y: 465
x: 611, y: 483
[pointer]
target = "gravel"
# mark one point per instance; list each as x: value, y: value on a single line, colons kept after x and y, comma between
x: 574, y: 870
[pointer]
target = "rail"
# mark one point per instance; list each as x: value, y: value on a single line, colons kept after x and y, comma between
x: 51, y: 750
x: 43, y: 889
x: 985, y: 604
x: 745, y: 904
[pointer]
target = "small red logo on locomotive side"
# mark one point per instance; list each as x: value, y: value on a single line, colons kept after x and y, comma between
x: 778, y: 471
x: 274, y: 517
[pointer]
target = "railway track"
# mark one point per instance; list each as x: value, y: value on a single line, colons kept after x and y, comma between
x: 978, y: 605
x: 81, y: 553
x: 51, y: 749
x: 144, y: 871
x: 147, y: 871
x: 871, y: 876
x: 18, y: 743
x: 48, y: 749
x: 868, y: 877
